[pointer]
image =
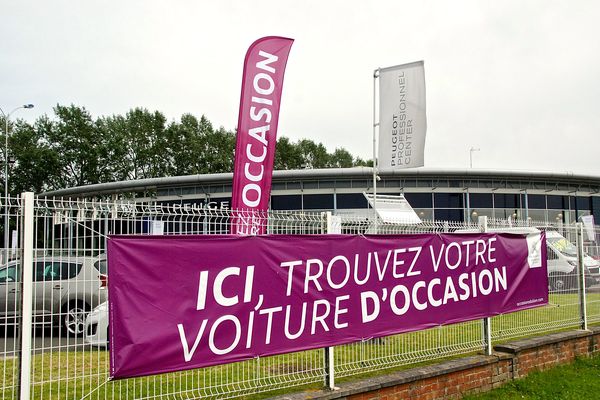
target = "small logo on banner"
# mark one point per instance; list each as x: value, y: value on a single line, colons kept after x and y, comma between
x: 534, y: 250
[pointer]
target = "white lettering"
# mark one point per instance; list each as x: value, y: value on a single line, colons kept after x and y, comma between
x: 269, y: 59
x: 364, y: 306
x: 218, y: 287
x: 238, y: 333
x: 187, y: 353
x: 320, y: 318
x: 394, y: 304
x: 254, y: 188
x: 338, y: 311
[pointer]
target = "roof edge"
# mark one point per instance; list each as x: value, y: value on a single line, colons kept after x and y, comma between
x: 362, y: 172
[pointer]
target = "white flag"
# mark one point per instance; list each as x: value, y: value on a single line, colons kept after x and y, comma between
x: 588, y: 223
x: 402, y: 118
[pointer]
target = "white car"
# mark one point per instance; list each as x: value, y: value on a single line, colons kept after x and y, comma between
x: 96, y: 326
x: 562, y: 264
x: 64, y: 287
x: 562, y: 259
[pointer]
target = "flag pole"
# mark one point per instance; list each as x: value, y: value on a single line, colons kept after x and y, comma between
x: 375, y: 125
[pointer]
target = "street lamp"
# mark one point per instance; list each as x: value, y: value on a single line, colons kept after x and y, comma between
x: 6, y: 220
x: 471, y: 155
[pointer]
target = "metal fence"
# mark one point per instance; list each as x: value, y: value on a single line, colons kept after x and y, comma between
x: 61, y: 354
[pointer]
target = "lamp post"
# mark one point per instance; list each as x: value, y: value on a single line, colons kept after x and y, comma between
x: 6, y: 217
x: 471, y: 155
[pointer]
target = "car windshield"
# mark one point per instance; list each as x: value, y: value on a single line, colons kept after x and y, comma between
x: 563, y: 245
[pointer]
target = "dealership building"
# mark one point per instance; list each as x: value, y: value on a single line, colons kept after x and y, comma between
x: 439, y: 194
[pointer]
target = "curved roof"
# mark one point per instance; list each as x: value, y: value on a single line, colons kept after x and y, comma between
x: 308, y: 174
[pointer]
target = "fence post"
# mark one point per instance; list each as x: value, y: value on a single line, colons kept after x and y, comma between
x: 581, y: 276
x: 333, y: 226
x: 486, y: 322
x: 25, y: 327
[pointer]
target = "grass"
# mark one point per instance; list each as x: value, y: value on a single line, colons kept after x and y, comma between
x: 84, y: 374
x: 579, y: 380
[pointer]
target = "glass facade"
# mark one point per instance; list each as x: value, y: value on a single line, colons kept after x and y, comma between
x: 442, y: 197
x: 351, y: 200
x: 455, y: 206
x: 286, y: 202
x: 318, y: 201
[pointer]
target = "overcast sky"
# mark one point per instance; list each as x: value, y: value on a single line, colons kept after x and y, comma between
x: 518, y: 79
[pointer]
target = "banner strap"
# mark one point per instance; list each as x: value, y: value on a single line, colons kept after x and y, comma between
x: 96, y: 388
x: 71, y: 219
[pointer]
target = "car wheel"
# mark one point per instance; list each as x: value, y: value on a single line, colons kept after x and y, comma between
x: 73, y: 319
x: 559, y: 282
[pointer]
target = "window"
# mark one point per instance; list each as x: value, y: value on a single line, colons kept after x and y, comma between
x: 557, y: 202
x: 480, y: 212
x: 9, y: 274
x: 424, y: 214
x: 448, y: 200
x: 537, y: 215
x: 101, y: 266
x: 504, y: 213
x: 595, y: 206
x: 536, y: 201
x: 508, y: 200
x: 38, y: 273
x: 583, y: 203
x: 56, y: 270
x: 286, y: 202
x: 481, y: 200
x: 350, y: 200
x: 444, y: 214
x: 318, y: 201
x: 562, y: 245
x: 419, y: 200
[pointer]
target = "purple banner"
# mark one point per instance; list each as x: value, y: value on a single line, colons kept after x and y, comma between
x: 256, y: 136
x: 182, y: 302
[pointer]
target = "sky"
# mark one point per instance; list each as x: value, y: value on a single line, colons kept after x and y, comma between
x: 520, y: 80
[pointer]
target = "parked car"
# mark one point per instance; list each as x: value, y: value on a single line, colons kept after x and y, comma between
x: 96, y: 326
x: 562, y: 259
x: 562, y: 263
x: 65, y: 289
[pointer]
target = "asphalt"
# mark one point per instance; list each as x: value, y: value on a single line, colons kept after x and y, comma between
x: 44, y: 340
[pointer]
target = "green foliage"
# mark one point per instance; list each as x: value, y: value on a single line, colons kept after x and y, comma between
x: 287, y: 155
x: 37, y: 162
x: 74, y: 149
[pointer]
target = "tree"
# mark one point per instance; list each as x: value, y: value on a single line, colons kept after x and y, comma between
x: 218, y: 147
x: 359, y: 162
x: 287, y: 155
x: 73, y: 149
x: 195, y: 147
x: 79, y: 146
x: 313, y: 155
x: 341, y: 158
x: 183, y: 146
x: 145, y: 144
x: 35, y: 163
